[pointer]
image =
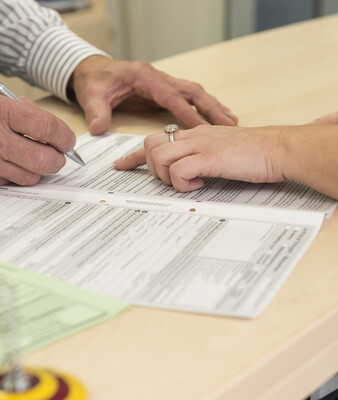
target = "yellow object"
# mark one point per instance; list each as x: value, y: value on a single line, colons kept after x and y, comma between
x: 50, y: 385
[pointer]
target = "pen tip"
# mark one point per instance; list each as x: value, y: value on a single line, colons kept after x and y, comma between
x: 81, y: 162
x: 73, y: 155
x: 79, y: 159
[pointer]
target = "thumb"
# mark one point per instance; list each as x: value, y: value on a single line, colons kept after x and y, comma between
x: 98, y: 114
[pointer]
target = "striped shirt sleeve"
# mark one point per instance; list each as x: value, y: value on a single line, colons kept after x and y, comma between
x: 37, y: 46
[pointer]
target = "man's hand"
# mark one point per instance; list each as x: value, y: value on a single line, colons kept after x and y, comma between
x: 247, y: 154
x: 101, y: 84
x: 23, y: 160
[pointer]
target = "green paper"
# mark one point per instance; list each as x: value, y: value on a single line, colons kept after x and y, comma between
x: 46, y: 310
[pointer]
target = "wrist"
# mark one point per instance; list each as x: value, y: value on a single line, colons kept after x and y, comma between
x: 273, y: 153
x: 86, y: 66
x: 296, y: 151
x: 284, y: 153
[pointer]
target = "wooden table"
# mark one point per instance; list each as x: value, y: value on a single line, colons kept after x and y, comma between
x: 285, y: 76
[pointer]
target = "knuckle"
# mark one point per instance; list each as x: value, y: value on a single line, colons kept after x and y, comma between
x: 6, y: 110
x: 192, y: 88
x: 43, y: 161
x: 5, y: 147
x: 201, y: 130
x: 173, y: 170
x: 18, y: 176
x: 209, y: 112
x: 196, y: 87
x: 70, y: 143
x: 30, y: 179
x: 147, y: 142
x: 155, y: 154
x: 55, y: 167
x: 49, y: 126
x: 4, y: 170
x: 142, y: 66
x: 172, y: 100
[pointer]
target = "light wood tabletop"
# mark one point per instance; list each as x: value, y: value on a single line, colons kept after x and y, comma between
x: 284, y: 76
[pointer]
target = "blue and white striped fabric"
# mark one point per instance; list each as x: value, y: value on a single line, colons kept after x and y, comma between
x: 37, y: 46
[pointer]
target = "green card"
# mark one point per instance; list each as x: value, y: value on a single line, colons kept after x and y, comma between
x: 36, y: 310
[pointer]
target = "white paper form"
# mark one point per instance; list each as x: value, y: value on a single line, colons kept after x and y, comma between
x: 99, y: 153
x: 229, y: 264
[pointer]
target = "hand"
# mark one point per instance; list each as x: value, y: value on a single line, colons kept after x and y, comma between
x: 23, y: 160
x: 327, y: 119
x: 247, y: 154
x: 101, y: 84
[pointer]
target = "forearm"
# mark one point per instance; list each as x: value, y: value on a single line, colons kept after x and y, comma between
x: 308, y: 154
x: 38, y: 47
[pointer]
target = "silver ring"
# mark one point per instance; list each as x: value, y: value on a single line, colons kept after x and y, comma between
x: 171, y: 129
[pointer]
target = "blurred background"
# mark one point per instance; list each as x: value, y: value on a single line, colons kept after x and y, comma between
x: 149, y: 30
x: 154, y: 29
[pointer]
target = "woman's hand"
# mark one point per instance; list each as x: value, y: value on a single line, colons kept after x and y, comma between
x: 247, y: 154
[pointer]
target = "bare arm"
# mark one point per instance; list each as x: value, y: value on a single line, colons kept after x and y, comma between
x: 309, y: 155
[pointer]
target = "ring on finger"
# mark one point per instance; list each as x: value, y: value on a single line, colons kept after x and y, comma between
x: 171, y: 129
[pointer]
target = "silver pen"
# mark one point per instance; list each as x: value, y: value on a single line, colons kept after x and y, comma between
x: 72, y: 154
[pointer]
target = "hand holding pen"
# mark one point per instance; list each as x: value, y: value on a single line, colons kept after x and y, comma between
x: 22, y: 160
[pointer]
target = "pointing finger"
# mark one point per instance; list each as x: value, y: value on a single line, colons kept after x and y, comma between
x: 131, y: 161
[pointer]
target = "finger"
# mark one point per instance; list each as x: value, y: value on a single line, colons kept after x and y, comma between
x: 3, y: 181
x: 12, y: 173
x: 207, y: 105
x: 98, y: 114
x: 165, y: 155
x: 154, y: 142
x: 30, y: 102
x: 216, y: 114
x: 131, y: 161
x: 136, y: 103
x: 217, y: 118
x: 30, y: 155
x: 173, y: 101
x: 38, y: 124
x: 151, y: 143
x: 319, y: 121
x: 211, y: 109
x: 139, y: 157
x: 98, y: 105
x: 185, y: 173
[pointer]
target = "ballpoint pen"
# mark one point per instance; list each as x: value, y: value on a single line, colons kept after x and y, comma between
x: 72, y: 154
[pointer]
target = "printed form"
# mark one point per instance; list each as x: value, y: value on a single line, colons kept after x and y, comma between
x: 225, y: 249
x: 44, y: 310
